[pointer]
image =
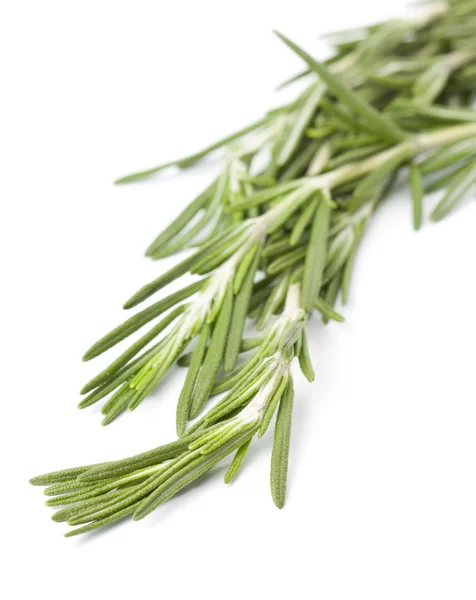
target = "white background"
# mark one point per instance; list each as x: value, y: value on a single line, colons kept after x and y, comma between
x: 381, y: 492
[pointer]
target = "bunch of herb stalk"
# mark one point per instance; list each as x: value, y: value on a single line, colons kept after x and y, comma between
x: 270, y: 241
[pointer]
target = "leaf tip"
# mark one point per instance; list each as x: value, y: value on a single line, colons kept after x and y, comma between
x: 73, y: 533
x: 85, y: 389
x: 129, y: 303
x: 83, y: 404
x: 58, y: 517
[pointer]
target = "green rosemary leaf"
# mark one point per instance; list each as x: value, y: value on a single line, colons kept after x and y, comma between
x: 296, y: 275
x: 293, y: 79
x: 213, y: 357
x: 456, y: 191
x: 396, y: 82
x: 316, y: 256
x: 239, y: 394
x: 431, y: 83
x: 59, y: 476
x: 274, y: 300
x: 416, y: 186
x: 220, y: 236
x: 349, y: 265
x: 286, y: 260
x: 142, y: 318
x: 230, y: 432
x: 294, y: 201
x: 256, y: 302
x: 118, y: 378
x: 243, y: 269
x: 126, y: 356
x: 276, y: 248
x: 186, y: 239
x: 272, y: 405
x: 370, y: 185
x: 330, y: 294
x: 320, y: 159
x: 180, y: 222
x: 185, y: 359
x: 260, y: 180
x: 233, y: 378
x: 202, y: 465
x: 216, y: 249
x: 303, y: 221
x: 294, y: 341
x: 444, y: 180
x: 214, y: 258
x: 250, y: 343
x: 154, y: 286
x: 305, y: 359
x: 266, y: 195
x: 280, y: 454
x: 97, y: 524
x: 354, y: 154
x: 381, y: 125
x: 118, y: 468
x: 113, y: 506
x: 354, y: 141
x: 237, y: 462
x: 303, y: 118
x: 147, y: 378
x: 183, y: 405
x: 70, y: 485
x: 450, y: 32
x: 87, y: 495
x: 193, y: 158
x: 448, y: 156
x: 298, y: 165
x: 319, y: 133
x: 237, y: 324
x: 463, y: 81
x: 339, y: 252
x: 117, y: 404
x: 327, y: 311
x: 343, y: 118
x: 68, y: 514
x: 445, y: 114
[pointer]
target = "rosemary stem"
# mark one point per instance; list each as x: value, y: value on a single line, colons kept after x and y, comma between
x: 293, y: 297
x: 412, y: 147
x: 449, y: 135
x: 459, y: 58
x: 409, y: 148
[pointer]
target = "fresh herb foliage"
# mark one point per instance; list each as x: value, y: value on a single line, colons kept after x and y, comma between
x: 270, y: 244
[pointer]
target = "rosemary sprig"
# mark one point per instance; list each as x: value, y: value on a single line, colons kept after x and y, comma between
x: 101, y: 494
x: 233, y: 258
x: 273, y: 242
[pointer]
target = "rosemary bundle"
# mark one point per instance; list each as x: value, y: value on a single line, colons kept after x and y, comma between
x: 270, y: 241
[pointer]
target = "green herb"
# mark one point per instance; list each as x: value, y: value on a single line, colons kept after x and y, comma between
x: 269, y: 244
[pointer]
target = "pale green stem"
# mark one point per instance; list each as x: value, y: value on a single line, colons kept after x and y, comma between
x: 459, y: 58
x: 410, y: 148
x: 413, y: 146
x: 293, y: 297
